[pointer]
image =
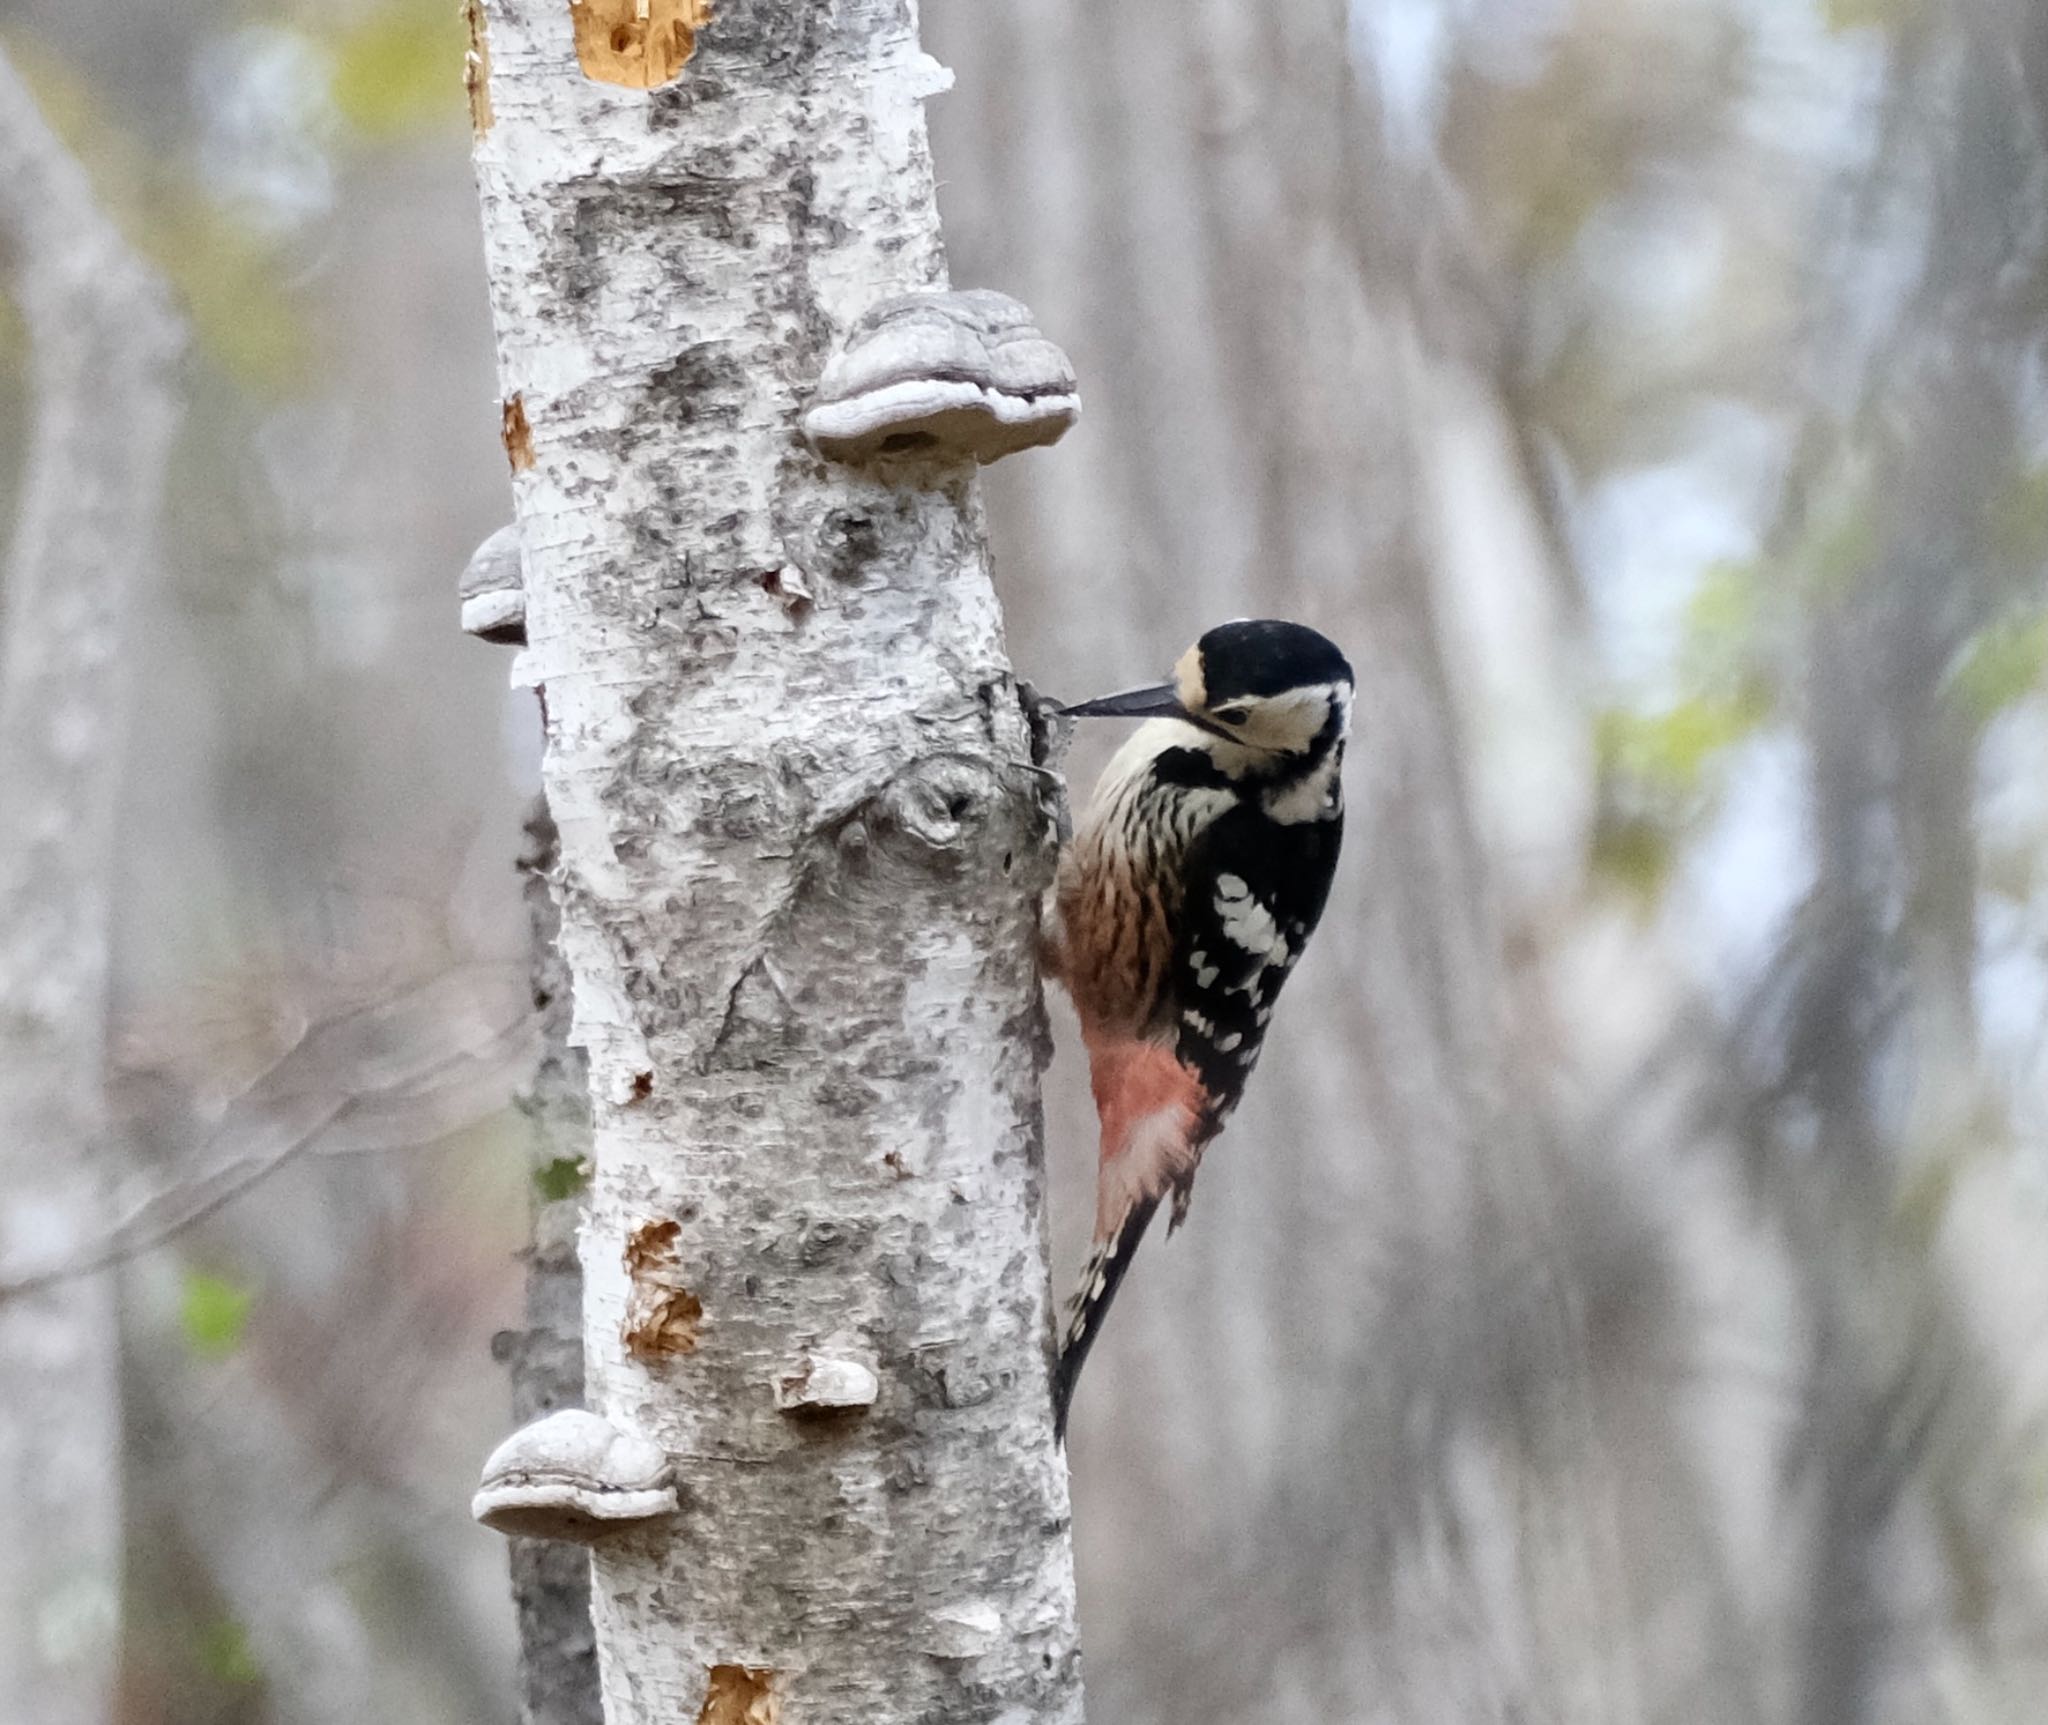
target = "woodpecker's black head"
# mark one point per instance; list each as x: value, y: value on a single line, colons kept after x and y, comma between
x: 1274, y: 688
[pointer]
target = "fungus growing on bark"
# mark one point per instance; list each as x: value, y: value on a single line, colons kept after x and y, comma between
x: 572, y: 1476
x: 956, y: 377
x: 817, y: 1384
x: 494, y: 590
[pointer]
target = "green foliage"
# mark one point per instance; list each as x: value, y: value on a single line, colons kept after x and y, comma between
x: 225, y: 1655
x: 1667, y: 753
x: 1841, y: 15
x: 214, y: 1313
x: 1660, y: 768
x: 1838, y: 544
x: 562, y: 1178
x: 393, y: 70
x: 1924, y: 1199
x: 399, y: 68
x: 2001, y: 664
x: 13, y: 336
x: 1635, y: 852
x: 225, y: 276
x: 2019, y: 518
x: 1721, y: 618
x: 228, y: 280
x: 1657, y: 777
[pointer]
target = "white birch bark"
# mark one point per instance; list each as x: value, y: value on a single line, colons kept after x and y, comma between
x: 101, y: 339
x: 801, y: 848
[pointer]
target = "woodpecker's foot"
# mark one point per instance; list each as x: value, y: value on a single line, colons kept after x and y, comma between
x: 1052, y: 727
x: 946, y: 377
x: 1052, y: 732
x: 493, y: 590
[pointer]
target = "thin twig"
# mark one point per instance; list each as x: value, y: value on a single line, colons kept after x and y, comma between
x: 160, y: 1215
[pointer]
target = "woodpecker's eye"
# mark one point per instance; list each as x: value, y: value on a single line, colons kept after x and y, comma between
x: 1232, y: 715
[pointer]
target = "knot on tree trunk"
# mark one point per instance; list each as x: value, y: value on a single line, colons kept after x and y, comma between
x: 939, y: 804
x: 947, y: 813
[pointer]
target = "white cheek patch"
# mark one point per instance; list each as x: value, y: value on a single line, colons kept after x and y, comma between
x: 1301, y: 705
x: 1292, y: 720
x: 1246, y: 922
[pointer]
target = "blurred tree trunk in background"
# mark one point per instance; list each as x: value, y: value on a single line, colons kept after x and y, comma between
x: 550, y: 1578
x: 801, y: 842
x: 1866, y: 1107
x: 103, y: 341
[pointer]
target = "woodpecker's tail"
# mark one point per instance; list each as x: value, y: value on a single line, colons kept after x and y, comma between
x: 1100, y: 1280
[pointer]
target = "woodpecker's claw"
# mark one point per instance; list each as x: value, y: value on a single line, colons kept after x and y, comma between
x: 1052, y: 732
x: 1051, y: 729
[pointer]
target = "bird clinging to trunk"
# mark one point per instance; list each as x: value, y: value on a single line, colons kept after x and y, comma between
x: 1193, y: 881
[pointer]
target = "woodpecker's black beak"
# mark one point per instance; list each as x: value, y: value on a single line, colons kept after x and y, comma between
x: 1156, y: 701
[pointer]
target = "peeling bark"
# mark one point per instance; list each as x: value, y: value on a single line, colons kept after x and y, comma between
x: 102, y: 339
x: 801, y: 850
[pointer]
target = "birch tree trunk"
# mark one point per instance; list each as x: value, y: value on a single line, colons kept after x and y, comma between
x: 101, y: 340
x: 801, y: 847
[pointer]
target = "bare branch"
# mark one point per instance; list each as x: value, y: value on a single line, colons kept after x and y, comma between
x: 444, y: 1089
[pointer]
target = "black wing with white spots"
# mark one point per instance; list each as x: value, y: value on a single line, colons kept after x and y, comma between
x: 1254, y: 894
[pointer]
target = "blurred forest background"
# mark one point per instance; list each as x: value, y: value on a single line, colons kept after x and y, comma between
x: 1624, y: 1294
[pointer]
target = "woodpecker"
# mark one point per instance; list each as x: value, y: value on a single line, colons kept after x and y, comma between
x: 1193, y: 881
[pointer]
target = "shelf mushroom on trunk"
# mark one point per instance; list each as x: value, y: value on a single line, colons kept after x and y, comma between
x: 573, y: 1476
x: 493, y: 590
x: 948, y: 377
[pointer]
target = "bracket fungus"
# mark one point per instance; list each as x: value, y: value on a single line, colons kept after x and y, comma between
x: 820, y: 1385
x: 493, y: 590
x: 960, y: 377
x: 572, y: 1476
